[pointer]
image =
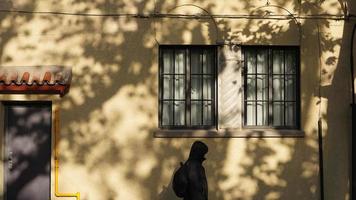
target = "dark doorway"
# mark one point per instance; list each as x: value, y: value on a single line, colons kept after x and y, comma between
x: 27, y: 150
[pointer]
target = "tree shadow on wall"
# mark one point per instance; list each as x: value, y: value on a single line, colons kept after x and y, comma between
x: 114, y: 87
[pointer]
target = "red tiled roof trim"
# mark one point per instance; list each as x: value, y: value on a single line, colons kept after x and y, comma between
x: 38, y: 80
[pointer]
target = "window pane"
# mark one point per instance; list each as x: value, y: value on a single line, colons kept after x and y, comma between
x: 208, y: 61
x: 290, y: 114
x: 262, y: 113
x: 167, y: 61
x: 179, y: 113
x: 179, y: 62
x: 278, y: 113
x: 196, y: 90
x: 179, y: 87
x: 167, y: 87
x: 196, y: 113
x: 251, y: 113
x: 262, y: 87
x: 278, y: 65
x: 271, y: 86
x: 251, y: 62
x: 291, y: 61
x: 290, y: 88
x: 262, y: 62
x: 175, y: 83
x: 207, y: 87
x: 196, y: 62
x: 207, y: 118
x: 251, y: 87
x: 167, y: 113
x: 278, y: 87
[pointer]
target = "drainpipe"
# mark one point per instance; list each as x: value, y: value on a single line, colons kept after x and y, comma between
x: 320, y: 124
x: 321, y: 159
x: 352, y: 187
x: 56, y: 160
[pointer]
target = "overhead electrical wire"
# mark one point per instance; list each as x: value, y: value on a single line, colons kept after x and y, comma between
x: 188, y: 16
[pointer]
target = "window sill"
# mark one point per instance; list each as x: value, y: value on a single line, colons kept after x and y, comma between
x: 229, y: 133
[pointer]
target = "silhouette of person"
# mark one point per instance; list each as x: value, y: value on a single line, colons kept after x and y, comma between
x: 197, y: 184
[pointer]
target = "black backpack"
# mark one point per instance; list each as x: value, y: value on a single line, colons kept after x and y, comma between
x: 180, y: 180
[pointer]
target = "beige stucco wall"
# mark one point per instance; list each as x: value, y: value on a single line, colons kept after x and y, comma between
x: 107, y: 145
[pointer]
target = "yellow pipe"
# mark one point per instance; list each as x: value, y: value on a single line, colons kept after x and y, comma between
x: 56, y: 160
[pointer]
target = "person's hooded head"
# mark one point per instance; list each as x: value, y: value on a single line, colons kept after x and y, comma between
x: 198, y: 151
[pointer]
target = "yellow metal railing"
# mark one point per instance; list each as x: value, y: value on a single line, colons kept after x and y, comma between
x: 56, y: 160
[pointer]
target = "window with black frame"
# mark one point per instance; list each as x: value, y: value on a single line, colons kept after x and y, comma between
x: 187, y: 86
x: 271, y: 92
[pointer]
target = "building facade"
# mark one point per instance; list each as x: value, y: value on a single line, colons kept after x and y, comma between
x: 103, y: 99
